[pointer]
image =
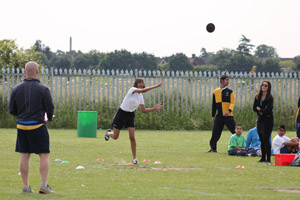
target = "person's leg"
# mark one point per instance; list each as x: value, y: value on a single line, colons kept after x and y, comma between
x: 285, y: 149
x: 260, y: 134
x: 242, y: 153
x: 230, y: 123
x: 24, y: 168
x: 44, y: 167
x: 131, y: 131
x: 216, y: 132
x: 268, y: 127
x: 114, y: 134
x: 232, y: 152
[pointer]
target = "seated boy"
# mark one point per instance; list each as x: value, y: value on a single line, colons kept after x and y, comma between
x: 237, y: 143
x: 283, y: 144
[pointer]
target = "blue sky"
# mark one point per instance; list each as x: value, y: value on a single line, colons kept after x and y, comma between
x: 160, y: 27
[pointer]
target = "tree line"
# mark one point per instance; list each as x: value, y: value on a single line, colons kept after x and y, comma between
x: 243, y: 58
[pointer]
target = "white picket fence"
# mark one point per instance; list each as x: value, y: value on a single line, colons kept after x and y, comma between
x: 181, y: 90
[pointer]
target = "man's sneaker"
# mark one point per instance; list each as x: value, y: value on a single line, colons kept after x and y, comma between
x: 106, y: 136
x: 134, y: 161
x: 212, y: 151
x: 46, y: 190
x: 27, y: 189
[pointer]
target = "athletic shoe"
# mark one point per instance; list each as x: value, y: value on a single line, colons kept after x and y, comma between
x: 27, y: 189
x: 212, y: 151
x: 134, y: 161
x: 106, y: 136
x: 46, y: 190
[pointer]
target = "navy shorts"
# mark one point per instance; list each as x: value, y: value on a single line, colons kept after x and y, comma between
x: 33, y: 141
x: 123, y: 118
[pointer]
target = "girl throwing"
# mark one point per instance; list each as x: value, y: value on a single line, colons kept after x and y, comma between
x: 125, y: 114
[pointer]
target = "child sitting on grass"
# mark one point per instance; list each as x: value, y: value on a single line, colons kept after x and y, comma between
x: 237, y: 144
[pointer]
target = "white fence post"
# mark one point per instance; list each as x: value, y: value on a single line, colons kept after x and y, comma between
x: 181, y: 91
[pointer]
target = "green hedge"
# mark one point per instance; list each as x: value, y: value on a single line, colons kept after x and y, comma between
x: 197, y: 119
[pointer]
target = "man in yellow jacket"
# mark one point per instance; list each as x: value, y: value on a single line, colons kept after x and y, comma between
x: 222, y: 107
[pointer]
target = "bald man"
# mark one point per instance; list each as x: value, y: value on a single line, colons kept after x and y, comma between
x: 29, y: 101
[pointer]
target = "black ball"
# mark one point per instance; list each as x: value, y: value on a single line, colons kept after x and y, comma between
x: 210, y: 27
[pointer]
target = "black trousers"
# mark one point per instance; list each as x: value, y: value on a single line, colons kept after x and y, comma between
x: 264, y: 129
x: 218, y: 128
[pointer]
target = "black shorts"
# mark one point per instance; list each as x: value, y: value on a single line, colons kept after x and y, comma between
x: 123, y: 118
x: 33, y: 141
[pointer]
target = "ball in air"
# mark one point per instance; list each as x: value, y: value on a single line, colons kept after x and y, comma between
x: 210, y: 27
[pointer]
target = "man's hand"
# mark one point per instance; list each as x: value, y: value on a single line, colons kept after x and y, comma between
x: 226, y: 113
x: 213, y: 120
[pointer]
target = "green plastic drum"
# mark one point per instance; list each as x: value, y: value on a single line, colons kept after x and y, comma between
x: 87, y: 124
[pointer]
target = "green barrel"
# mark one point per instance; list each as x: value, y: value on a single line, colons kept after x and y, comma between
x: 87, y: 124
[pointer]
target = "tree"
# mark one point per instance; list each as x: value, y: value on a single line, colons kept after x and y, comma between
x: 63, y: 61
x: 13, y: 57
x: 269, y: 65
x: 287, y: 65
x: 144, y: 61
x: 245, y: 47
x: 117, y: 60
x: 39, y: 46
x: 264, y: 51
x: 222, y: 59
x: 45, y: 51
x: 94, y: 57
x: 81, y: 61
x: 240, y: 62
x: 228, y: 59
x: 180, y: 62
x: 204, y: 53
x: 297, y: 62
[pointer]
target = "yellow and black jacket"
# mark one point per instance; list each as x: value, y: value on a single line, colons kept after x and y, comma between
x: 223, y: 100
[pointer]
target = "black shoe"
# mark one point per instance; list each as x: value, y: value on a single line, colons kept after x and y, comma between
x: 106, y: 136
x: 212, y: 151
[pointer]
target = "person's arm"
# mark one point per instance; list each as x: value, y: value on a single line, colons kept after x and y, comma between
x: 244, y: 144
x: 232, y: 102
x: 146, y: 89
x: 238, y: 148
x: 146, y: 110
x: 214, y: 108
x: 249, y: 139
x: 269, y: 106
x: 292, y: 142
x: 255, y: 105
x: 48, y: 104
x: 12, y: 106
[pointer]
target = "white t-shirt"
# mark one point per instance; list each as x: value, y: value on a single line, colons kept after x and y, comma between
x: 132, y: 100
x: 278, y: 143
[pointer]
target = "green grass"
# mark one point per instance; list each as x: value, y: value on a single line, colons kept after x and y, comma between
x: 213, y: 176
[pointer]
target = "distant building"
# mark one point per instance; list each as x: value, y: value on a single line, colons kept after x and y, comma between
x: 196, y: 60
x: 161, y: 61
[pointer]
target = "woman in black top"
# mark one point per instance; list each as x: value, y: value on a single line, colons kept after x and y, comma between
x: 263, y: 106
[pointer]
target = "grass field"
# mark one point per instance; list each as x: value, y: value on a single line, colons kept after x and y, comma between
x: 185, y: 172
